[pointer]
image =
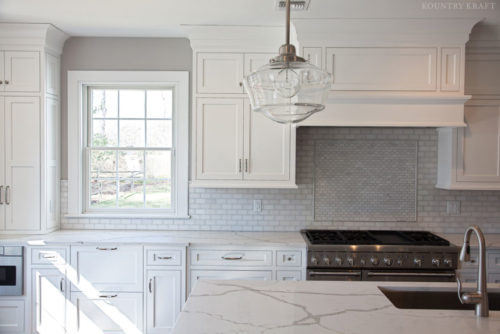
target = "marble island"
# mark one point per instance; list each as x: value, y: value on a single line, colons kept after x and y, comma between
x: 318, y: 307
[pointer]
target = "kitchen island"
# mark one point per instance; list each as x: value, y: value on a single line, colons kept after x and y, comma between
x: 318, y: 307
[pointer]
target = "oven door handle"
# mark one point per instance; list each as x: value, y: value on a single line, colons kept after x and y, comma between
x: 399, y: 274
x: 334, y: 273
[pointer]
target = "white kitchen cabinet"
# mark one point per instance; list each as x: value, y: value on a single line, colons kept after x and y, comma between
x: 231, y: 258
x: 163, y: 300
x: 254, y: 275
x: 314, y: 55
x: 12, y: 316
x: 289, y: 275
x: 219, y: 72
x: 107, y: 268
x: 21, y: 71
x: 49, y: 295
x: 253, y: 61
x: 107, y: 313
x: 219, y: 139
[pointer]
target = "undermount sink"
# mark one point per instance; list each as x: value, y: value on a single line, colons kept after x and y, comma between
x: 433, y: 298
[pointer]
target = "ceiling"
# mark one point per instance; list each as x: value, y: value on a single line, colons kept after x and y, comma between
x: 165, y: 18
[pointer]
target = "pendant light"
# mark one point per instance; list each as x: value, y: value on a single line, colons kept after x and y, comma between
x: 288, y: 89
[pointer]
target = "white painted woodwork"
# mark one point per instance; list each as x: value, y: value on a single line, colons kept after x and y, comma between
x: 2, y: 163
x: 314, y: 55
x: 49, y: 294
x: 163, y: 257
x: 289, y: 275
x: 108, y: 313
x: 253, y: 61
x: 52, y: 75
x: 254, y: 275
x: 266, y: 147
x: 451, y: 63
x: 231, y: 258
x: 219, y: 139
x: 22, y: 71
x: 12, y: 316
x: 483, y: 73
x: 375, y: 68
x: 2, y: 71
x: 51, y: 178
x: 289, y: 258
x: 163, y: 300
x: 22, y: 163
x: 48, y: 256
x: 107, y: 268
x: 219, y: 72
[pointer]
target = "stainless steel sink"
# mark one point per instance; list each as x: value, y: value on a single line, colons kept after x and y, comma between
x: 433, y: 298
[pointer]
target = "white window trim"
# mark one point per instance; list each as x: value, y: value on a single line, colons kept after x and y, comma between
x: 76, y: 134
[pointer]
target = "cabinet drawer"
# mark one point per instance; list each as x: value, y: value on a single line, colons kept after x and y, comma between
x: 252, y: 275
x: 493, y: 261
x: 236, y: 258
x: 289, y: 275
x: 107, y: 268
x: 48, y: 256
x: 163, y: 257
x: 289, y: 258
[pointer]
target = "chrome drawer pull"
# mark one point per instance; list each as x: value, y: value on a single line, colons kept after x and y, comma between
x: 108, y: 296
x: 61, y: 288
x: 164, y: 257
x: 150, y: 285
x: 231, y: 258
x: 106, y: 249
x: 49, y: 256
x: 335, y: 273
x: 7, y: 199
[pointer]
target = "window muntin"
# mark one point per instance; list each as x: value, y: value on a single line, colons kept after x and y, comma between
x: 129, y: 148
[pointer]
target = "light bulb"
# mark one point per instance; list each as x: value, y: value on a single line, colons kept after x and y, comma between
x: 287, y: 83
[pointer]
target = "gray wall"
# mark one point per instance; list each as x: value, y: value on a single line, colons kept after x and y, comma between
x: 108, y: 54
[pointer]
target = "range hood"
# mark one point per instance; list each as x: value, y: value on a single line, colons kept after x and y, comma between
x: 389, y: 72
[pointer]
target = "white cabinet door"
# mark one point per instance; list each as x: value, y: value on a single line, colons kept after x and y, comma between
x: 314, y: 56
x: 267, y: 148
x: 289, y: 275
x: 219, y: 139
x: 107, y: 268
x: 2, y: 160
x: 478, y: 145
x: 22, y: 71
x: 219, y: 72
x: 11, y: 316
x: 109, y: 313
x: 22, y: 163
x: 253, y: 61
x: 253, y: 275
x: 2, y: 71
x: 164, y: 301
x: 49, y: 299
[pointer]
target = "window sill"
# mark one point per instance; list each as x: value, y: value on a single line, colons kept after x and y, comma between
x: 126, y: 216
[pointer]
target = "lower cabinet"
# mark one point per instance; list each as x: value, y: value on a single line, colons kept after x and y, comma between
x: 163, y: 300
x: 49, y: 298
x: 259, y: 275
x: 11, y: 316
x: 114, y: 312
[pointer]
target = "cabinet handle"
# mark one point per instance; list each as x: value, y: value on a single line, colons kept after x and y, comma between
x: 164, y: 257
x: 246, y: 165
x: 106, y: 249
x: 7, y: 193
x: 232, y: 258
x: 61, y: 287
x: 1, y: 82
x: 1, y: 189
x: 150, y: 285
x: 49, y: 256
x: 241, y: 84
x: 6, y: 82
x: 108, y: 296
x: 239, y: 164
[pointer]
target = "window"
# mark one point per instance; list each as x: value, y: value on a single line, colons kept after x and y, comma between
x: 132, y: 159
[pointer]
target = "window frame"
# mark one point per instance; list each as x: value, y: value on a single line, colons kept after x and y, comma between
x: 78, y: 83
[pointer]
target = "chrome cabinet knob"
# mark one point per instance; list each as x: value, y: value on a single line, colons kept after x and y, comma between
x: 388, y: 261
x: 417, y: 262
x: 374, y: 261
x: 436, y: 262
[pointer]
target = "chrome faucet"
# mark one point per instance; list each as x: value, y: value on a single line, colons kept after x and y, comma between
x: 479, y: 297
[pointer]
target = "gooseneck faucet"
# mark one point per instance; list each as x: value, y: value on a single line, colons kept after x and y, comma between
x: 479, y: 297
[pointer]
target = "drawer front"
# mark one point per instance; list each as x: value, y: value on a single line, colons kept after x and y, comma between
x: 252, y: 275
x: 289, y: 275
x: 108, y: 268
x: 493, y: 262
x: 48, y: 255
x: 236, y: 258
x: 163, y: 257
x: 289, y: 258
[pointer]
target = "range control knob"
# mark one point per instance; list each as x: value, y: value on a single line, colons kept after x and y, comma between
x: 436, y: 262
x: 417, y: 262
x: 448, y: 262
x: 374, y: 261
x: 388, y: 261
x: 314, y: 260
x: 338, y: 260
x: 362, y: 262
x: 399, y: 262
x: 326, y: 260
x: 350, y: 261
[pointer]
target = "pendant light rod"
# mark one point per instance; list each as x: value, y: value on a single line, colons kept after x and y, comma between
x: 287, y: 22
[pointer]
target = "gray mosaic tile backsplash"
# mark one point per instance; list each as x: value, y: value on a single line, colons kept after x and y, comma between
x: 293, y: 209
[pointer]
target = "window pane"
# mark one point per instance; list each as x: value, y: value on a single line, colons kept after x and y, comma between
x: 158, y: 194
x: 159, y: 133
x: 104, y: 103
x: 159, y: 104
x: 131, y: 164
x: 102, y: 193
x: 131, y: 194
x: 132, y: 103
x: 104, y: 133
x: 103, y: 163
x: 158, y: 165
x: 131, y: 133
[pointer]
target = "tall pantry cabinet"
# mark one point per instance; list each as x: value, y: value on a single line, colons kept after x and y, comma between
x: 29, y: 127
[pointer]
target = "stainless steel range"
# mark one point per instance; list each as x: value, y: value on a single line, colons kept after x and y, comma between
x: 348, y: 255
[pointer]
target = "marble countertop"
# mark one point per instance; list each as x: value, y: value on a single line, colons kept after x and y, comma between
x: 180, y: 238
x: 317, y: 307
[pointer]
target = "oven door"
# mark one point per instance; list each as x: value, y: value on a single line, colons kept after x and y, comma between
x: 11, y: 276
x: 408, y: 276
x: 333, y: 275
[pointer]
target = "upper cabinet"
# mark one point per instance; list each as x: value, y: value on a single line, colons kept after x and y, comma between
x: 219, y: 72
x: 29, y: 123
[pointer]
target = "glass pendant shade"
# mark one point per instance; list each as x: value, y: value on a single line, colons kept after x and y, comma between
x: 288, y: 92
